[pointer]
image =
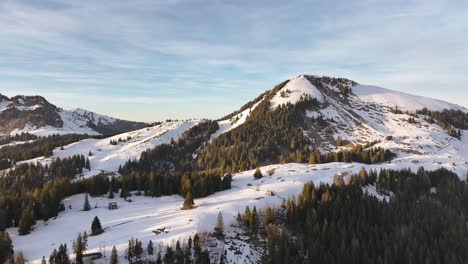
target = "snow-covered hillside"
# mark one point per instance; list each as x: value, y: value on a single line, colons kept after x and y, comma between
x: 404, y: 101
x: 353, y: 114
x: 107, y: 157
x: 144, y: 216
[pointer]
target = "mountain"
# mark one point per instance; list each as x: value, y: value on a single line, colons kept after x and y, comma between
x: 35, y: 115
x: 330, y: 114
x: 316, y: 129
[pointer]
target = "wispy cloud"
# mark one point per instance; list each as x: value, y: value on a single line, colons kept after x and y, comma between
x: 155, y: 53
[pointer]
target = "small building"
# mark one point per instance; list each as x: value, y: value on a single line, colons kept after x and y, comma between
x: 112, y: 206
x: 92, y: 256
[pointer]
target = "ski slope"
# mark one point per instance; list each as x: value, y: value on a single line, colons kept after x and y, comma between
x: 108, y: 158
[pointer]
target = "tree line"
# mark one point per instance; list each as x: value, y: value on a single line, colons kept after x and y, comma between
x: 422, y: 221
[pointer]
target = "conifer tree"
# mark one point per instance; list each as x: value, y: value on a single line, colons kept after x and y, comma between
x: 86, y: 205
x: 247, y: 215
x: 78, y: 248
x: 61, y: 256
x: 188, y: 201
x: 269, y: 217
x: 159, y: 259
x: 219, y: 227
x: 88, y: 164
x: 150, y: 248
x: 196, y: 245
x: 26, y: 221
x: 114, y: 258
x: 258, y: 174
x: 96, y: 228
x: 43, y: 260
x: 254, y: 222
x: 52, y: 257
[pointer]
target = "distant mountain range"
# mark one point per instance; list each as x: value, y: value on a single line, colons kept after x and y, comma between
x: 35, y: 115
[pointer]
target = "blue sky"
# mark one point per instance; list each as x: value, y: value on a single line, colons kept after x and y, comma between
x: 152, y: 60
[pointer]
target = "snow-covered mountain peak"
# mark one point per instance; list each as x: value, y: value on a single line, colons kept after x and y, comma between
x: 294, y: 90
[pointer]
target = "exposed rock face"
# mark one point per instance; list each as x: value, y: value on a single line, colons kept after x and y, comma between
x: 34, y: 113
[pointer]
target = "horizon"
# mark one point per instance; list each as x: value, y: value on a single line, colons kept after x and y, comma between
x: 151, y: 61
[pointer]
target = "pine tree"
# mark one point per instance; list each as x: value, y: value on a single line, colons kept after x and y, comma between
x: 26, y: 221
x: 258, y: 174
x: 43, y: 260
x: 85, y: 240
x: 111, y: 192
x: 150, y: 248
x: 159, y: 259
x: 61, y: 256
x: 196, y: 245
x: 86, y: 205
x: 78, y: 249
x: 169, y: 255
x: 52, y: 257
x: 254, y: 222
x: 188, y: 201
x: 219, y: 227
x: 96, y: 228
x: 88, y: 163
x: 269, y: 217
x: 247, y: 215
x: 114, y: 258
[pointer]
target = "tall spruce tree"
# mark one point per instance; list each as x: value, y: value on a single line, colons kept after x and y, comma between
x: 86, y: 205
x: 114, y: 258
x: 96, y: 228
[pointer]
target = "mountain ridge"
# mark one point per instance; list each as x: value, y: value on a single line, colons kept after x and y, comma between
x: 36, y: 115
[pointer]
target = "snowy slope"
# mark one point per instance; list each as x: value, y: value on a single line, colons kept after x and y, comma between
x: 108, y: 158
x: 404, y: 101
x: 144, y: 215
x: 235, y: 121
x: 293, y: 90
